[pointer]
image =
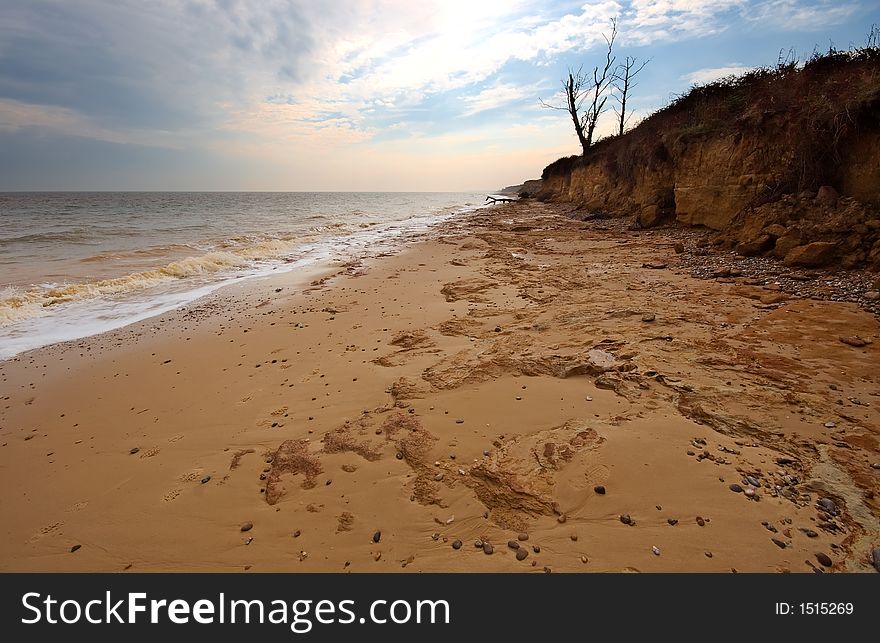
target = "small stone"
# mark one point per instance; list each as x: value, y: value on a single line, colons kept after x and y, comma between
x: 828, y: 505
x: 206, y: 479
x: 824, y: 559
x: 809, y: 533
x: 134, y: 450
x: 830, y: 425
x: 708, y: 554
x: 459, y: 421
x: 435, y: 536
x: 779, y: 543
x: 679, y: 248
x: 655, y: 549
x: 456, y: 544
x: 600, y: 489
x: 377, y: 556
x: 536, y: 549
x: 75, y: 548
x: 247, y: 526
x: 399, y: 455
x: 701, y: 521
x: 560, y: 518
x: 478, y: 543
x: 752, y: 480
x: 574, y: 537
x: 735, y: 488
x: 854, y: 340
x: 297, y: 533
x: 328, y: 483
x: 377, y: 536
x: 584, y: 560
x: 438, y: 477
x: 488, y: 549
x: 626, y: 519
x: 649, y: 317
x: 522, y: 536
x: 749, y: 492
x: 513, y: 544
x: 521, y: 554
x: 672, y: 521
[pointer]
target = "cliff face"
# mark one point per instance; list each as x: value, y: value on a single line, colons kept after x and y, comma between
x: 795, y: 149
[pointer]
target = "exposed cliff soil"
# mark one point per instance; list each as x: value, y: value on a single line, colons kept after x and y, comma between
x: 782, y: 162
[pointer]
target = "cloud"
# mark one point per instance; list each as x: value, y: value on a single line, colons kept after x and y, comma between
x: 709, y: 74
x: 496, y: 96
x: 801, y: 15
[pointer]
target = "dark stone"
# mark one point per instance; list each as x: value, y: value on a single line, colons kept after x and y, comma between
x: 521, y: 554
x: 377, y: 536
x: 672, y: 521
x: 736, y: 488
x: 828, y: 505
x: 626, y: 519
x: 247, y: 526
x: 752, y: 480
x: 809, y: 533
x: 134, y: 450
x: 206, y: 479
x: 75, y: 548
x: 456, y: 544
x: 824, y: 559
x: 779, y: 543
x: 513, y: 544
x: 536, y: 549
x: 599, y: 489
x: 523, y: 536
x: 700, y: 521
x: 488, y: 549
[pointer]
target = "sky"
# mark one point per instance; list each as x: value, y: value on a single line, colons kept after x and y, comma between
x: 396, y: 95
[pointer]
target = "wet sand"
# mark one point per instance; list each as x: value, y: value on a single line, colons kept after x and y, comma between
x: 487, y: 384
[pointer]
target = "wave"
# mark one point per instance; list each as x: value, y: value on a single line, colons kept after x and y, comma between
x: 16, y: 305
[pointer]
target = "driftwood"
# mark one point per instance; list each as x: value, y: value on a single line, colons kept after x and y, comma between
x: 499, y: 199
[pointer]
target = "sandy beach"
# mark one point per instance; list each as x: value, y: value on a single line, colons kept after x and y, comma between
x: 562, y: 390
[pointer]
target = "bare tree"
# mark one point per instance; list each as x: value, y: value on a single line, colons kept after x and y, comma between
x: 623, y: 83
x: 581, y: 87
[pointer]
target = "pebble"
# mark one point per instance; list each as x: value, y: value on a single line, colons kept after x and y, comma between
x: 377, y: 536
x: 377, y: 556
x: 486, y: 452
x: 522, y: 536
x: 438, y: 477
x: 700, y: 521
x: 206, y: 479
x: 626, y: 519
x: 75, y: 548
x: 649, y: 317
x: 809, y: 533
x: 672, y: 521
x: 824, y: 559
x: 779, y: 543
x: 830, y: 425
x: 708, y: 554
x: 536, y: 549
x: 134, y: 450
x: 584, y: 560
x: 478, y: 543
x: 735, y: 488
x: 828, y: 505
x: 456, y: 544
x: 521, y: 554
x: 435, y: 536
x: 599, y: 489
x: 297, y: 533
x: 513, y: 544
x: 655, y: 549
x: 561, y: 518
x: 752, y: 480
x: 488, y: 549
x: 247, y: 526
x: 749, y: 492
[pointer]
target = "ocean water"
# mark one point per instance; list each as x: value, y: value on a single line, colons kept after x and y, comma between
x: 76, y: 264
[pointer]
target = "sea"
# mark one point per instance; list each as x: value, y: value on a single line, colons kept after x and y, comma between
x: 75, y: 264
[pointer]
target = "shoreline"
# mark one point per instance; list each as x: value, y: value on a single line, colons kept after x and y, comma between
x: 569, y: 364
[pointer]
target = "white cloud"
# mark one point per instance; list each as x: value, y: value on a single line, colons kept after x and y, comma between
x: 496, y: 96
x: 709, y: 74
x: 796, y: 14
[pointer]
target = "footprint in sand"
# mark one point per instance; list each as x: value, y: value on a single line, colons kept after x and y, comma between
x: 149, y: 453
x: 175, y: 438
x: 78, y: 506
x: 195, y: 474
x: 45, y: 531
x: 171, y: 495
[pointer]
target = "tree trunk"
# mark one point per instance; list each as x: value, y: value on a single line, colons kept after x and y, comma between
x: 573, y: 110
